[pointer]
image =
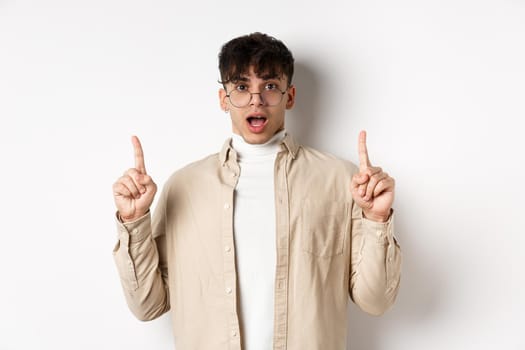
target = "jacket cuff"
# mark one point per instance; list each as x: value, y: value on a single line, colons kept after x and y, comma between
x: 134, y: 231
x: 383, y: 232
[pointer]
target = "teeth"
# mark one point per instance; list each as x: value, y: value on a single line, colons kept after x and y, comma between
x: 256, y: 121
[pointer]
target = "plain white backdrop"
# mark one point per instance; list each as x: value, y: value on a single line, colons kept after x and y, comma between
x: 438, y: 85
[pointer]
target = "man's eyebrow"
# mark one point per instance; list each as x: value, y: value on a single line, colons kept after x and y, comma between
x: 244, y: 79
x: 270, y: 77
x: 241, y: 78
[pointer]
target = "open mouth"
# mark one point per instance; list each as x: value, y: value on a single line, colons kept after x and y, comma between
x: 256, y: 123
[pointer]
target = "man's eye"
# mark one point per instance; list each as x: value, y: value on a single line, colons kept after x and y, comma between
x: 270, y: 86
x: 241, y: 88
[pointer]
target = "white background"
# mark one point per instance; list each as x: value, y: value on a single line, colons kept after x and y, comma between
x: 438, y: 85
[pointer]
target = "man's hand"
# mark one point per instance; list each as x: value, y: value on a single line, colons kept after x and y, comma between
x: 135, y: 190
x: 372, y: 189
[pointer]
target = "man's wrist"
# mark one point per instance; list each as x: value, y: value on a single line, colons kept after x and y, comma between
x: 377, y: 218
x: 129, y: 219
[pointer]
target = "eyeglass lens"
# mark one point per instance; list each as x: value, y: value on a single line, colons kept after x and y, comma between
x: 243, y: 98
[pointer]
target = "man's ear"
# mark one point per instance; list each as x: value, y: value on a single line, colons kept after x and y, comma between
x: 290, y: 93
x: 223, y: 100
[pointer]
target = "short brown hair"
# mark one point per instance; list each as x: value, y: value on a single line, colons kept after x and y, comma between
x: 266, y: 54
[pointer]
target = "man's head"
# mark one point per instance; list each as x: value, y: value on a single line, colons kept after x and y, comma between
x: 256, y: 74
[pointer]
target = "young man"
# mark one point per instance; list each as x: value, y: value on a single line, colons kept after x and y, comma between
x: 261, y: 245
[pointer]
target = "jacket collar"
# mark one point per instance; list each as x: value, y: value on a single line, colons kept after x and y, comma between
x: 288, y: 143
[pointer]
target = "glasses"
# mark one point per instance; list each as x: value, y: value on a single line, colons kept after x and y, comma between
x: 270, y: 96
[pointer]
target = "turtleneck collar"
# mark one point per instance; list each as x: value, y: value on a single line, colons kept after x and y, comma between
x: 246, y: 150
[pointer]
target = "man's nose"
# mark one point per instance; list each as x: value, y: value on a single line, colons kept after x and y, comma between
x: 256, y: 99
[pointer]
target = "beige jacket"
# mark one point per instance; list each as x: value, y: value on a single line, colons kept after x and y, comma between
x: 183, y: 258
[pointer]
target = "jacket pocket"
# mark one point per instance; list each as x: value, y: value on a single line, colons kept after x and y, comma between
x: 324, y: 225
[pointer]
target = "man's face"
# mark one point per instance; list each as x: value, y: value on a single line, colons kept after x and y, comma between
x: 257, y: 122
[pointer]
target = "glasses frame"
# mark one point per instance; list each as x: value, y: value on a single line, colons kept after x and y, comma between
x: 260, y: 96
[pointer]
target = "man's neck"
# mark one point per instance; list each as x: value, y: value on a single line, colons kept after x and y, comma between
x: 246, y: 150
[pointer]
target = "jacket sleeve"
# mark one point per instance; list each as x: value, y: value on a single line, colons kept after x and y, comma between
x: 375, y: 267
x: 140, y: 257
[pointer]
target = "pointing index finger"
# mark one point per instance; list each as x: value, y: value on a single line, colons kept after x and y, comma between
x: 139, y: 155
x: 364, y: 162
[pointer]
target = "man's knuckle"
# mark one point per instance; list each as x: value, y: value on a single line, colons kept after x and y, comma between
x: 131, y: 171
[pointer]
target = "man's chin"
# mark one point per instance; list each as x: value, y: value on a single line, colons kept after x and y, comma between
x: 256, y: 139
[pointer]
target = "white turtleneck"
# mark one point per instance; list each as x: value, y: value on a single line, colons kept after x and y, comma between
x: 254, y: 232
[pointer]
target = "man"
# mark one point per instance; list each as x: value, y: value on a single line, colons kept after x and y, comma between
x: 258, y: 246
